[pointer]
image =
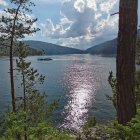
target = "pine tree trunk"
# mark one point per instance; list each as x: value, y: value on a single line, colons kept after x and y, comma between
x: 126, y: 60
x: 11, y: 59
x: 24, y: 102
x: 12, y: 78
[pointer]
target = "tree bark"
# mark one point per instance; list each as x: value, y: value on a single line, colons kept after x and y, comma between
x: 12, y: 78
x: 11, y: 59
x: 126, y: 60
x: 24, y: 102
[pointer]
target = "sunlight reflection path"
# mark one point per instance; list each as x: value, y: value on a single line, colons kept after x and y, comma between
x: 82, y: 84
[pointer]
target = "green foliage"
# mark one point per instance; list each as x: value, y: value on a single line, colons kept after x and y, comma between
x: 34, y: 102
x: 32, y: 117
x: 15, y: 18
x: 15, y: 23
x: 91, y: 122
x: 4, y: 51
x: 113, y: 83
x: 13, y: 125
x: 44, y: 130
x: 14, y: 129
x: 115, y: 131
x: 97, y: 132
x: 29, y: 119
x: 87, y: 129
x: 131, y: 131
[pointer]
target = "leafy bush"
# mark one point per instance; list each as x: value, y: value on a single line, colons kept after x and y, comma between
x: 14, y: 124
x: 131, y: 131
x: 90, y: 123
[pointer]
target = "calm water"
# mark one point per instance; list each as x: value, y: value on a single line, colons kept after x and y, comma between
x: 79, y: 81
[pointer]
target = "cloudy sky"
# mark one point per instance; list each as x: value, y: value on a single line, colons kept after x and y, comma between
x: 75, y: 23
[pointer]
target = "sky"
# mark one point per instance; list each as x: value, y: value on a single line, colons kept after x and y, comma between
x: 75, y: 23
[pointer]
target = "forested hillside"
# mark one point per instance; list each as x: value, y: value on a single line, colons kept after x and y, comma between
x: 106, y: 48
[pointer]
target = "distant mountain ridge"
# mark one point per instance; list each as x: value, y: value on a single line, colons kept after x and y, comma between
x: 4, y: 51
x: 106, y: 48
x: 52, y: 49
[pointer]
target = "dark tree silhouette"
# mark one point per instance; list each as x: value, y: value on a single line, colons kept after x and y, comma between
x: 14, y: 25
x: 126, y: 104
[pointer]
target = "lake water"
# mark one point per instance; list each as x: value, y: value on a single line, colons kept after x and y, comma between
x: 79, y: 81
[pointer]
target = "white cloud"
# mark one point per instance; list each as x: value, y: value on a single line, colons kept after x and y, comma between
x: 80, y: 5
x: 3, y: 3
x: 83, y: 20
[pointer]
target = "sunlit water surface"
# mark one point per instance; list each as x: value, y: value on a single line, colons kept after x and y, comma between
x: 79, y: 81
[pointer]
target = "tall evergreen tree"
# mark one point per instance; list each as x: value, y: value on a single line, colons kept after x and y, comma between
x: 32, y: 117
x: 15, y: 23
x: 126, y: 104
x: 33, y: 102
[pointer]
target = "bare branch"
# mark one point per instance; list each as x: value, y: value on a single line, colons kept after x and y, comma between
x: 114, y: 14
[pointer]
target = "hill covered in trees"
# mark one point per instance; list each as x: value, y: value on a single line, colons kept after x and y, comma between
x: 106, y: 48
x: 52, y: 49
x: 4, y: 51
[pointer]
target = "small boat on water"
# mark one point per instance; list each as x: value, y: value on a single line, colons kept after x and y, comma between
x: 44, y: 59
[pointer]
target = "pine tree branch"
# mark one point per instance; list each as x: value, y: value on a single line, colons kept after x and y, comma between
x: 114, y: 14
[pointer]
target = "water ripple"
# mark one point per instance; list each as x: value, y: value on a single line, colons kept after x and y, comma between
x: 83, y: 84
